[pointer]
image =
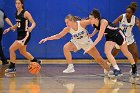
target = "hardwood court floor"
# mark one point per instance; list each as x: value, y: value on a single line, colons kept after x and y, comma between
x: 88, y: 78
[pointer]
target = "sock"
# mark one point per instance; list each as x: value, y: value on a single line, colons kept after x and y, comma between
x: 116, y: 67
x: 12, y: 65
x: 34, y: 60
x: 70, y: 65
x: 134, y: 68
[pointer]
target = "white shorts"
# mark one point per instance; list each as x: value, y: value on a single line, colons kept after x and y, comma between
x: 129, y: 41
x: 86, y: 45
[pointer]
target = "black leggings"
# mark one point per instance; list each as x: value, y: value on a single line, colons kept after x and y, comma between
x: 1, y: 51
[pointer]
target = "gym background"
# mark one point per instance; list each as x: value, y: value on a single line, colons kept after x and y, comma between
x: 49, y: 16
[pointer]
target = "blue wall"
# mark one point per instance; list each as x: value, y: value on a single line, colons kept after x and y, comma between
x: 49, y: 16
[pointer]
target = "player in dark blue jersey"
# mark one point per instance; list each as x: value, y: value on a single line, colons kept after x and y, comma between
x: 23, y: 35
x: 113, y: 35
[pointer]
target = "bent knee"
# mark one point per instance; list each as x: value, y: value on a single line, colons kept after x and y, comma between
x: 23, y: 52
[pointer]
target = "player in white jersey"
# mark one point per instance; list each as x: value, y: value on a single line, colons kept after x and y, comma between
x: 126, y: 22
x: 79, y: 40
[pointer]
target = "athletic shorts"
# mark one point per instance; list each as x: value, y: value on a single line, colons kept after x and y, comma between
x: 129, y: 40
x: 23, y: 37
x: 119, y: 38
x: 86, y: 45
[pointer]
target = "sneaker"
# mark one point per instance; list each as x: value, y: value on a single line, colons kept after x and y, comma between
x: 107, y: 72
x: 39, y: 61
x: 134, y: 75
x: 69, y: 69
x: 5, y: 62
x: 10, y: 75
x: 10, y: 70
x: 116, y: 73
x: 69, y: 86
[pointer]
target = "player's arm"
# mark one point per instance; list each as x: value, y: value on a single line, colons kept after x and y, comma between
x: 56, y: 36
x: 85, y: 22
x: 8, y: 21
x: 94, y: 32
x: 104, y: 23
x: 31, y: 20
x: 117, y: 20
x: 14, y: 27
x: 137, y: 22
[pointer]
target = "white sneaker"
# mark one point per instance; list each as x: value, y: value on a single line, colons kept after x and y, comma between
x: 69, y: 69
x: 107, y: 72
x: 69, y: 86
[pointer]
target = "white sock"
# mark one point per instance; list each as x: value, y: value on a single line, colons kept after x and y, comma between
x: 116, y: 67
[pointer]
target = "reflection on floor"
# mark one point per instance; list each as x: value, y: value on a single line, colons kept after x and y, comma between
x: 86, y: 79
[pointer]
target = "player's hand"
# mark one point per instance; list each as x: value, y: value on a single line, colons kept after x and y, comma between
x: 29, y: 29
x: 43, y: 41
x: 6, y: 30
x: 90, y: 35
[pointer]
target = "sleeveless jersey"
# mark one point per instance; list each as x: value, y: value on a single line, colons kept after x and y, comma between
x: 127, y: 27
x: 110, y: 30
x: 22, y: 23
x: 80, y: 36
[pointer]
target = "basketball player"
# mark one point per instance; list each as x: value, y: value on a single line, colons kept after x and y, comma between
x: 113, y: 35
x: 23, y: 35
x: 126, y: 22
x: 79, y: 40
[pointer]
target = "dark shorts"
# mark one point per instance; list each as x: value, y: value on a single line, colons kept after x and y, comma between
x: 1, y: 33
x: 118, y: 38
x: 24, y: 37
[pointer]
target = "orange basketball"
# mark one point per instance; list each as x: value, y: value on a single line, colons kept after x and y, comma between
x: 34, y: 68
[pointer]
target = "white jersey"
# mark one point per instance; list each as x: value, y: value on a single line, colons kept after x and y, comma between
x: 80, y: 36
x: 127, y: 28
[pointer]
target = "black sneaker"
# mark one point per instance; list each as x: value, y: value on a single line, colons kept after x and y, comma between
x: 39, y: 62
x: 5, y: 62
x: 10, y: 70
x: 134, y: 75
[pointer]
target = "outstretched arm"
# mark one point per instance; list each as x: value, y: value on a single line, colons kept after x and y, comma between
x: 14, y: 27
x: 56, y: 36
x: 104, y: 23
x: 93, y: 33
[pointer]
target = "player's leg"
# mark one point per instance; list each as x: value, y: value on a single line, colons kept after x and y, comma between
x: 125, y: 51
x: 3, y: 59
x: 68, y: 48
x: 109, y: 45
x: 15, y: 46
x: 134, y: 51
x: 96, y: 55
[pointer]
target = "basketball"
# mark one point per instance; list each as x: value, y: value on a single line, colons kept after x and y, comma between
x: 34, y: 68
